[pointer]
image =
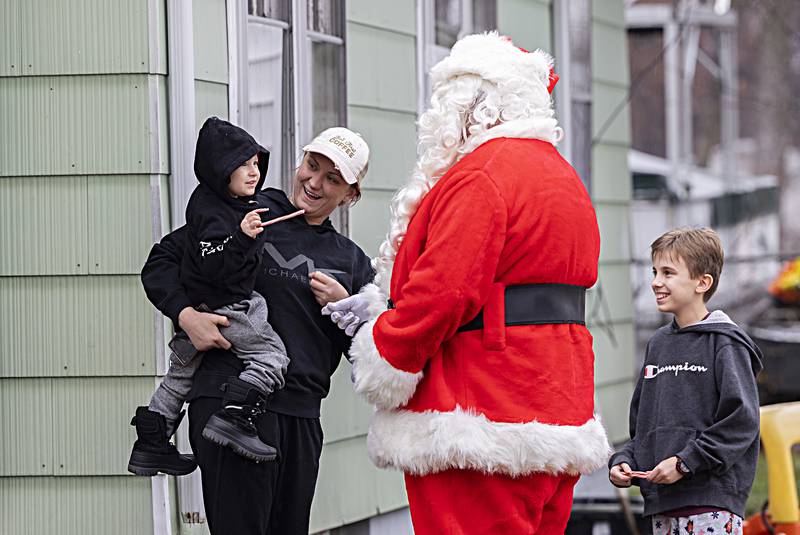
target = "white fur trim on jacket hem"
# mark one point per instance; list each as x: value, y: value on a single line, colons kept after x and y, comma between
x: 429, y: 442
x: 379, y: 382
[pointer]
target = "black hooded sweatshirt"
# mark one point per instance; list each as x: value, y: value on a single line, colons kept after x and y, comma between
x: 221, y: 262
x: 292, y: 250
x: 696, y: 398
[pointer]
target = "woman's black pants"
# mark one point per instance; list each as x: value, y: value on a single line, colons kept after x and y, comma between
x: 249, y: 498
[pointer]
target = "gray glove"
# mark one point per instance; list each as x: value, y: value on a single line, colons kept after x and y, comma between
x: 349, y: 313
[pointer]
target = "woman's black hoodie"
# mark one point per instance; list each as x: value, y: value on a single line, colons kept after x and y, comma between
x: 221, y: 262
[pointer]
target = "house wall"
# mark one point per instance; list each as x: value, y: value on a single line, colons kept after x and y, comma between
x: 84, y: 187
x: 83, y: 108
x: 610, y: 309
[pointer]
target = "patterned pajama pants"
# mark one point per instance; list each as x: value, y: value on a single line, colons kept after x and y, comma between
x: 717, y: 523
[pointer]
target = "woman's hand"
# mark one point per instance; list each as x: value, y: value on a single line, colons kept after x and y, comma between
x: 251, y: 224
x: 666, y: 472
x: 203, y: 329
x: 326, y: 289
x: 620, y: 475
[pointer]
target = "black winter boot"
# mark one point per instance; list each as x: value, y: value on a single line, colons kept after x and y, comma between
x: 152, y: 452
x: 234, y: 426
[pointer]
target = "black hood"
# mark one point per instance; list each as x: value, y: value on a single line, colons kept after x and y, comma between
x: 221, y: 148
x: 719, y: 322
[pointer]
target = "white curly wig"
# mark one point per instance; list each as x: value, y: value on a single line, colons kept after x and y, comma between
x: 486, y: 88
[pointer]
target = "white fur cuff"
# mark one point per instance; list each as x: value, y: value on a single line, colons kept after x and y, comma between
x: 429, y: 442
x: 377, y: 301
x: 379, y: 382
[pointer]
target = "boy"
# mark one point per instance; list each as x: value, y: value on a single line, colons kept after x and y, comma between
x: 694, y: 416
x: 218, y: 273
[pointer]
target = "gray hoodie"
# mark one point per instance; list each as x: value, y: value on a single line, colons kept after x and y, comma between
x: 696, y: 398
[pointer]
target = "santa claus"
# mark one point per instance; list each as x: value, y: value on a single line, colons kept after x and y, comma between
x: 472, y: 343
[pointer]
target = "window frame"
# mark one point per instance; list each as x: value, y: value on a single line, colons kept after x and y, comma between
x: 297, y: 105
x: 429, y: 53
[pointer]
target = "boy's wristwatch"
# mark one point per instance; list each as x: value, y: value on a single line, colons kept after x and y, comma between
x: 681, y: 467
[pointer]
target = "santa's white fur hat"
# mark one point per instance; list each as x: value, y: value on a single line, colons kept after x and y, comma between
x: 495, y: 59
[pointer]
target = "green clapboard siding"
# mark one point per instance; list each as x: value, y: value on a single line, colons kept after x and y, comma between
x: 344, y: 414
x: 527, y: 22
x: 611, y: 12
x: 381, y: 68
x: 395, y: 16
x: 369, y: 220
x: 615, y: 242
x: 120, y: 223
x: 26, y: 428
x: 83, y: 102
x: 613, y: 402
x: 609, y: 54
x: 210, y: 99
x: 87, y: 124
x: 610, y: 174
x: 69, y: 426
x: 606, y: 98
x: 161, y: 195
x: 614, y: 286
x: 88, y: 409
x: 210, y: 28
x: 613, y: 329
x: 75, y: 326
x: 10, y: 30
x: 74, y: 224
x: 76, y: 505
x: 160, y: 130
x: 392, y: 142
x: 350, y: 488
x: 49, y: 37
x: 43, y: 225
x: 612, y: 352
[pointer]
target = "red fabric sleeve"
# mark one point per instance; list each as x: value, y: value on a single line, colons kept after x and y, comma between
x: 451, y: 280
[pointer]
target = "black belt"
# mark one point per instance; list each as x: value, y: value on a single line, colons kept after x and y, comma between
x: 539, y: 304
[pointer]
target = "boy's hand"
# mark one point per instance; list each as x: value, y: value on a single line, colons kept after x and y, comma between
x: 620, y: 475
x: 203, y: 329
x: 326, y: 289
x: 251, y: 224
x: 666, y: 472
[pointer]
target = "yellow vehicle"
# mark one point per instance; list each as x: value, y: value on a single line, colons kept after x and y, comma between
x: 780, y: 430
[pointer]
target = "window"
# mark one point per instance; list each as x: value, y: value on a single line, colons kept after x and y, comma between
x: 440, y: 23
x: 289, y: 83
x: 324, y: 73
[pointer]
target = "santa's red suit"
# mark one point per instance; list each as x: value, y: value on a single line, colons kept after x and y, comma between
x: 491, y: 426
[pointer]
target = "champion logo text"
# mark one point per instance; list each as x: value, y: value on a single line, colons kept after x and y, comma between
x: 651, y: 371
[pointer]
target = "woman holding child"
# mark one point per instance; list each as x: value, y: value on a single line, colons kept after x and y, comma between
x: 306, y: 264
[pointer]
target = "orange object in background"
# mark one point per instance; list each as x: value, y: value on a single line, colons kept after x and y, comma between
x: 780, y: 430
x: 786, y: 286
x: 755, y: 525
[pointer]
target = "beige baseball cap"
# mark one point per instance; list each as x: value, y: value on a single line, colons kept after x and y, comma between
x: 347, y: 150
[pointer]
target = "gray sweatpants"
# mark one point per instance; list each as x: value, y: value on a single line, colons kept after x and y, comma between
x: 253, y: 341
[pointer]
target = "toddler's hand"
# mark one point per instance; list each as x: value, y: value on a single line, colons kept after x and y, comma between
x: 666, y: 472
x: 251, y: 224
x: 620, y: 475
